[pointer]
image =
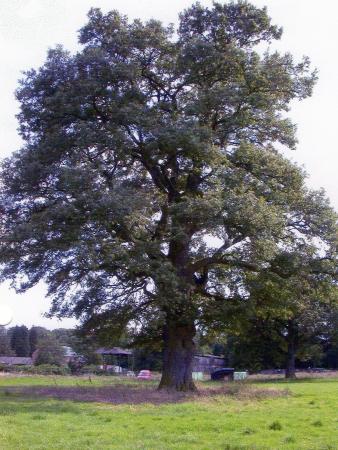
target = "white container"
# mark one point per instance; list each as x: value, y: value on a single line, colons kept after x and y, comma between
x: 240, y: 376
x: 197, y: 376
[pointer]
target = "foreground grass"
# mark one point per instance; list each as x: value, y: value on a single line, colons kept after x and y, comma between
x: 307, y: 419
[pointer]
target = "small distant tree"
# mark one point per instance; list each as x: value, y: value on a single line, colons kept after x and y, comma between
x: 49, y: 351
x: 20, y: 340
x: 294, y: 300
x: 5, y: 344
x: 35, y: 334
x: 330, y: 358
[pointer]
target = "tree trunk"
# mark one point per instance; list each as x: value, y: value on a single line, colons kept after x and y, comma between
x: 178, y: 357
x: 290, y: 371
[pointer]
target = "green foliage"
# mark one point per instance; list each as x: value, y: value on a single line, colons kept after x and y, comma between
x: 16, y: 369
x: 293, y: 304
x: 50, y: 369
x: 20, y: 340
x: 35, y: 334
x: 65, y: 336
x: 146, y: 358
x: 276, y: 426
x: 49, y: 352
x: 33, y: 339
x: 330, y: 339
x: 43, y: 369
x: 85, y: 346
x: 5, y: 344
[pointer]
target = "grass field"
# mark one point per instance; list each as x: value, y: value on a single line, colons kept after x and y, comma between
x: 306, y: 418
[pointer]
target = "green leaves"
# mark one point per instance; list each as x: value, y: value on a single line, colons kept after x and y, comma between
x: 239, y: 23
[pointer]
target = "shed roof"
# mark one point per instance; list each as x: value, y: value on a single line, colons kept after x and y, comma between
x: 199, y: 355
x: 16, y: 360
x: 113, y: 351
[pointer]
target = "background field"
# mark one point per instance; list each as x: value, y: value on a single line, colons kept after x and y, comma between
x: 258, y: 414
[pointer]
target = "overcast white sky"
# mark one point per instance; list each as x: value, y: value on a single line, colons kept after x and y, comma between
x: 29, y: 27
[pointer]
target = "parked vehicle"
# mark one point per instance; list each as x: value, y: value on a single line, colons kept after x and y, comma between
x: 144, y: 375
x: 220, y: 374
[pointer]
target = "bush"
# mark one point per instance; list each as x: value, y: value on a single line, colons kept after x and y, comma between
x: 49, y: 352
x: 49, y: 369
x: 95, y: 370
x: 75, y: 365
x: 43, y: 369
x: 16, y: 369
x: 276, y: 426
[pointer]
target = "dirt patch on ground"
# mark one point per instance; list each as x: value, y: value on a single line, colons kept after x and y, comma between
x: 135, y: 395
x: 245, y: 392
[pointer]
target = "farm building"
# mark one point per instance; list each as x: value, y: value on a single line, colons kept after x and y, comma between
x: 15, y: 361
x: 116, y: 357
x: 207, y: 363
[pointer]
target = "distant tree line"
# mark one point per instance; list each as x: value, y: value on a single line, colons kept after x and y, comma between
x: 48, y: 344
x: 263, y: 343
x: 256, y: 344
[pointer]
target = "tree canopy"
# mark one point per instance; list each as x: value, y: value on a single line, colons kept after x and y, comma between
x: 19, y: 340
x: 294, y: 302
x: 49, y: 351
x: 152, y: 177
x: 5, y: 343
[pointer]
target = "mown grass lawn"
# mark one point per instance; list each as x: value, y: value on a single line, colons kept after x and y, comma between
x: 306, y: 419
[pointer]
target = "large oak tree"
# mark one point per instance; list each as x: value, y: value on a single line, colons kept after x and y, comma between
x: 150, y: 180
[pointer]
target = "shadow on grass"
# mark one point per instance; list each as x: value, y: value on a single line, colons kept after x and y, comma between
x: 131, y: 395
x: 117, y: 394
